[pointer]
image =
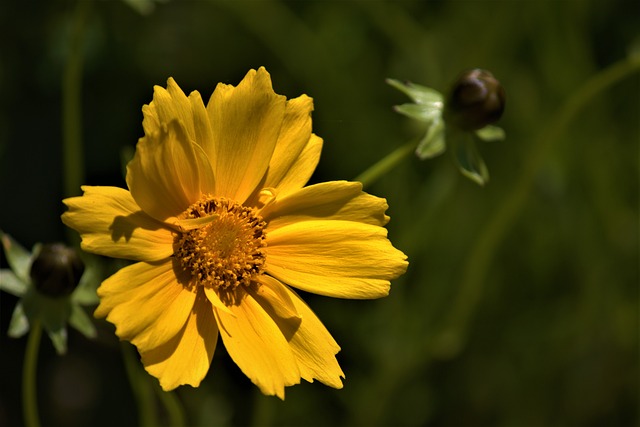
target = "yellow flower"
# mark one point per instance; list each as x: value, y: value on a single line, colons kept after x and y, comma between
x: 222, y: 227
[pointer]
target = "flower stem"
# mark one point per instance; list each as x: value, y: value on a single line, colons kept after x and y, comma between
x: 71, y: 104
x: 141, y: 388
x: 482, y: 253
x: 173, y: 406
x: 384, y: 165
x: 29, y: 396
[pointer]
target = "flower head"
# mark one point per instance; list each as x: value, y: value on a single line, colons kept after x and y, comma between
x: 222, y: 226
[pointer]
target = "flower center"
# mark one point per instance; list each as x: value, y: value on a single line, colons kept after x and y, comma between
x: 226, y: 252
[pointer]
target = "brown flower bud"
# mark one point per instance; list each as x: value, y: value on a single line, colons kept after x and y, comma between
x: 477, y: 99
x: 56, y: 271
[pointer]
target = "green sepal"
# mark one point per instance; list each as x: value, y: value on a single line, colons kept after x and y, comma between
x: 419, y: 94
x: 423, y: 113
x: 59, y: 339
x: 52, y: 312
x: 18, y: 258
x: 11, y: 283
x: 491, y: 133
x: 85, y: 293
x: 19, y: 324
x: 468, y: 159
x: 433, y: 143
x: 82, y: 322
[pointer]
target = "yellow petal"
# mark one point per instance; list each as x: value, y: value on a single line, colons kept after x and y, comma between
x: 202, y: 126
x: 168, y: 105
x: 112, y: 224
x: 335, y: 258
x: 245, y: 122
x: 186, y: 358
x: 257, y: 345
x: 274, y: 295
x: 294, y: 178
x: 312, y: 345
x: 294, y: 136
x: 146, y: 303
x: 216, y: 302
x: 168, y: 172
x: 336, y: 200
x: 299, y: 173
x: 172, y: 104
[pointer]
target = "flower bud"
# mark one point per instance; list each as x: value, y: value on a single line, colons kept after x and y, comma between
x: 477, y: 99
x: 56, y: 270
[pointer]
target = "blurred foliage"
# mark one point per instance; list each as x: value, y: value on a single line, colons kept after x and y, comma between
x: 549, y: 336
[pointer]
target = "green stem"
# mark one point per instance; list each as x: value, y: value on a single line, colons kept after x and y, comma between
x: 29, y: 396
x: 384, y: 165
x: 503, y: 218
x: 142, y: 391
x: 73, y: 153
x: 173, y: 406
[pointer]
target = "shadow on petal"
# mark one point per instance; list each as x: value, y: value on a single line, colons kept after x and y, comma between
x: 124, y: 226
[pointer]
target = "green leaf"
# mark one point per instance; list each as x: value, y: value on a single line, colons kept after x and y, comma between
x: 19, y: 324
x: 419, y: 94
x: 10, y: 283
x: 19, y: 258
x: 82, y: 322
x: 433, y: 143
x: 469, y: 161
x: 491, y: 133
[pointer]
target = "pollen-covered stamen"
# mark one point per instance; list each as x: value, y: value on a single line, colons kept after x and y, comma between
x: 226, y: 252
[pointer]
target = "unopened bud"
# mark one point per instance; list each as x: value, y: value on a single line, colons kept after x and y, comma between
x: 56, y: 271
x: 477, y: 99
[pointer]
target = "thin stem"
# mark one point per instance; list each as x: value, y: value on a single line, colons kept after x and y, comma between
x: 504, y: 217
x: 173, y: 406
x: 384, y: 165
x: 72, y: 104
x: 29, y: 396
x: 141, y: 388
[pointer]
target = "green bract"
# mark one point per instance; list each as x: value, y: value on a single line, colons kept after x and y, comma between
x: 429, y: 108
x: 53, y: 312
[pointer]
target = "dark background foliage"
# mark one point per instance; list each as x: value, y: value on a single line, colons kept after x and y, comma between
x: 548, y: 336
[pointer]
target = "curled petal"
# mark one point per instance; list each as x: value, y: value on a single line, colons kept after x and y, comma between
x: 169, y: 172
x: 301, y: 170
x: 294, y: 137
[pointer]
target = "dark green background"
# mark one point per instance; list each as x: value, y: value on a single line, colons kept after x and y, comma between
x: 549, y: 336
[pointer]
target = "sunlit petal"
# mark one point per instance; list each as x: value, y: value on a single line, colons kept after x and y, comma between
x: 335, y: 258
x: 312, y: 345
x: 112, y: 224
x: 245, y: 122
x: 169, y: 172
x: 258, y: 346
x: 185, y: 359
x: 146, y: 303
x: 336, y: 200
